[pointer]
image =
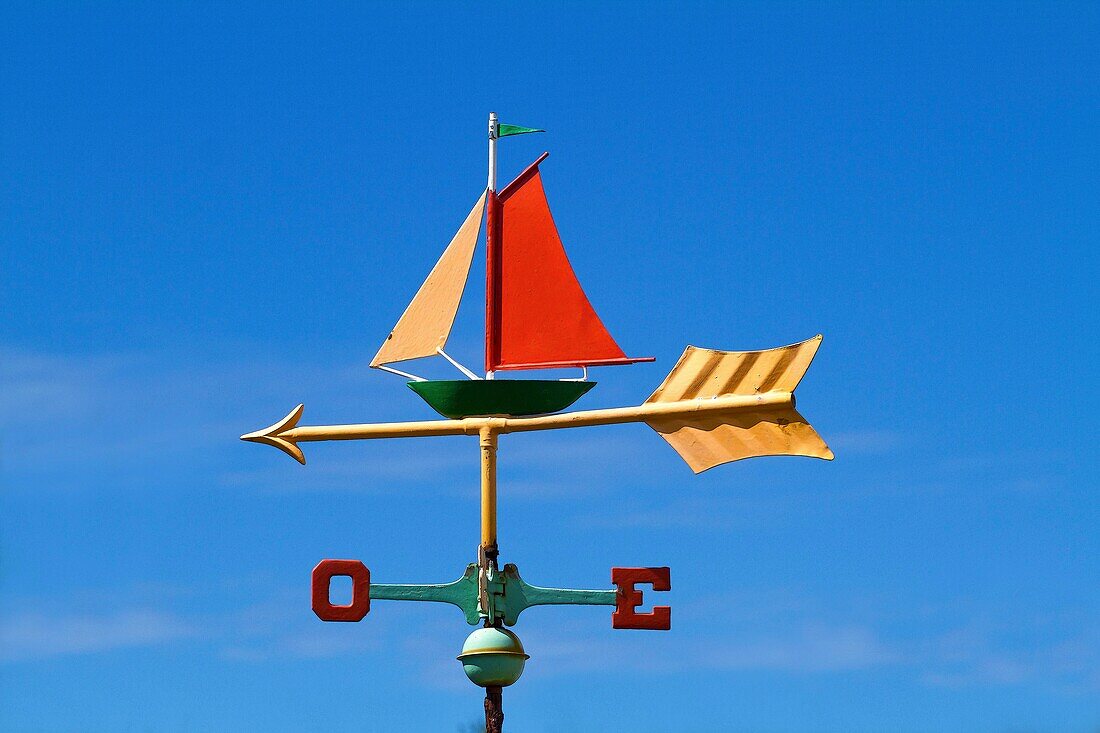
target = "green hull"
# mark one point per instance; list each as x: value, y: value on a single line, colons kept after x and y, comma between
x: 457, y: 399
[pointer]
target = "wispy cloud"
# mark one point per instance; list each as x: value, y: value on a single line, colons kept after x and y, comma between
x: 779, y: 632
x: 983, y: 655
x: 782, y: 632
x: 810, y: 648
x: 315, y: 643
x: 34, y: 637
x: 126, y: 413
x: 280, y: 627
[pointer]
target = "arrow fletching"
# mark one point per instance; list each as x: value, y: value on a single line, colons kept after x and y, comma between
x: 715, y: 437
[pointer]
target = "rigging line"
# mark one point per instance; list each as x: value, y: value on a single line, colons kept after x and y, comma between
x: 400, y: 373
x: 456, y: 365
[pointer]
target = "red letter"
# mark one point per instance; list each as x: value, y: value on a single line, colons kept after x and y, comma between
x: 323, y: 574
x: 630, y: 598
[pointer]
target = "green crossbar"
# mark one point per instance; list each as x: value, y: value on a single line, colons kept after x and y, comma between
x: 509, y: 595
x: 519, y: 596
x: 461, y: 593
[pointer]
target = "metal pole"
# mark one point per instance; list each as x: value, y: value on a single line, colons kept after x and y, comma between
x: 494, y: 710
x: 488, y: 439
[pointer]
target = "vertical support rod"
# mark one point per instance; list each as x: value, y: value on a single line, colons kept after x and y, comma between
x: 494, y: 710
x: 488, y: 439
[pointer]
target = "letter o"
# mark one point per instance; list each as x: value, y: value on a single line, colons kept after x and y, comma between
x: 323, y: 574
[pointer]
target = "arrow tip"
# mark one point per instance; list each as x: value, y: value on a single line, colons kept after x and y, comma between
x: 273, y: 435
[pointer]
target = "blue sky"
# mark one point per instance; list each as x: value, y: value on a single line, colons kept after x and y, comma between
x: 209, y: 214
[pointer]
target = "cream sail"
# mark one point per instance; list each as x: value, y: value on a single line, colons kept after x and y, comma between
x: 425, y: 325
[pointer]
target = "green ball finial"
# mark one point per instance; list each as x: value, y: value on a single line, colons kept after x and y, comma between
x: 493, y: 657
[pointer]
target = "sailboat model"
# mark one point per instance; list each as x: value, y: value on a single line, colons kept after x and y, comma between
x: 536, y: 313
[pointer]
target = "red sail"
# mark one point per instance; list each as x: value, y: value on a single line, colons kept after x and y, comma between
x: 538, y: 316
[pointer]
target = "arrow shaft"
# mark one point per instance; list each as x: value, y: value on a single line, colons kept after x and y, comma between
x: 581, y: 419
x: 647, y: 411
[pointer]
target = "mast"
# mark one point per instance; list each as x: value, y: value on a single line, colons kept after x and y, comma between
x: 494, y: 129
x: 492, y: 253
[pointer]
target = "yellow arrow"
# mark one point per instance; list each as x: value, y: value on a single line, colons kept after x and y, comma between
x: 714, y: 407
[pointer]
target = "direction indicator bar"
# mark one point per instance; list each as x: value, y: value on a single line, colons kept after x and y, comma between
x: 286, y: 434
x: 508, y: 595
x: 714, y: 407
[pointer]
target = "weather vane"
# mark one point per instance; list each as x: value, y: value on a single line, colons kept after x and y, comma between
x: 712, y: 408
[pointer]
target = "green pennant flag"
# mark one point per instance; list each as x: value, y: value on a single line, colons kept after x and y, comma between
x: 506, y: 130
